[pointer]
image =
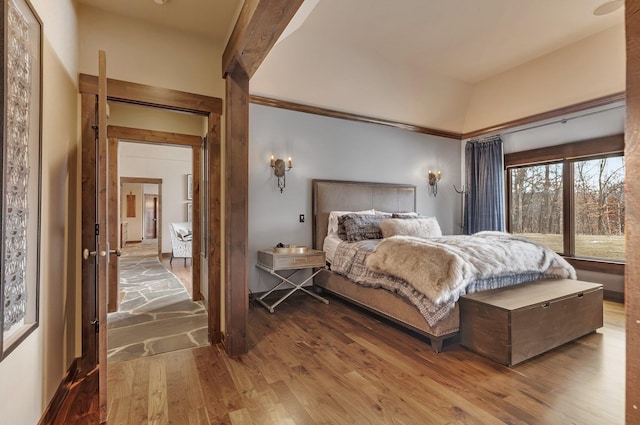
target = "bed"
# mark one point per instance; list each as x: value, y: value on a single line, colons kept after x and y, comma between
x: 332, y: 195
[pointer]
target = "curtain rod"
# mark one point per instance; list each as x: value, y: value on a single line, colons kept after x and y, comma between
x: 534, y: 126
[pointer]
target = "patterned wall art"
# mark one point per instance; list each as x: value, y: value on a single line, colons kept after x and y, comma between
x: 21, y: 172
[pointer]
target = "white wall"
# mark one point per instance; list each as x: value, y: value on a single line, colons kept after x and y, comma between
x: 169, y: 163
x: 352, y: 80
x: 30, y: 375
x: 145, y: 53
x: 134, y: 116
x: 329, y: 148
x: 592, y: 68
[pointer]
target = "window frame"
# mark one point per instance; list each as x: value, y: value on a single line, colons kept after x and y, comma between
x: 568, y: 154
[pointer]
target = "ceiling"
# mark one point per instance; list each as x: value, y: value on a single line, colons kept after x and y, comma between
x: 468, y: 40
x: 212, y: 19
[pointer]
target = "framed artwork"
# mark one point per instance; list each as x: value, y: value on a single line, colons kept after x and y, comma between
x: 189, y: 212
x: 189, y: 186
x: 21, y: 116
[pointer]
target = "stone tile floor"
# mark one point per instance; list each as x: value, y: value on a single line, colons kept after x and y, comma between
x: 156, y: 312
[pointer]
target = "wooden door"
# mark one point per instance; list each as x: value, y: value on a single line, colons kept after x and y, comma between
x: 150, y: 216
x: 96, y: 250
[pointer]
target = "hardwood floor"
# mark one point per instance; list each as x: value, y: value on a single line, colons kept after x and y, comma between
x: 313, y: 363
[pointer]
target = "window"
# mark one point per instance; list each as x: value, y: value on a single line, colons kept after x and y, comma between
x: 599, y: 208
x: 571, y: 199
x: 536, y: 204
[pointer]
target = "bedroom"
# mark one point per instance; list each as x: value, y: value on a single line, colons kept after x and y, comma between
x: 301, y: 159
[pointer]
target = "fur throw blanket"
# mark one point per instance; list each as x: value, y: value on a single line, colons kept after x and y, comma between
x: 441, y: 268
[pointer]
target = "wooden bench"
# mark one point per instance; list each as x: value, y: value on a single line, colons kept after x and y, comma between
x: 513, y: 324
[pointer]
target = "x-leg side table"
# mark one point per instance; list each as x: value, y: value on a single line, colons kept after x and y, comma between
x: 287, y: 280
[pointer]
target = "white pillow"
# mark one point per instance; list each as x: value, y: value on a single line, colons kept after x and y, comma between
x: 419, y: 227
x: 333, y: 219
x: 382, y: 213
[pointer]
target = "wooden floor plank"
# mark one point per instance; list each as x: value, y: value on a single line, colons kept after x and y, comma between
x: 311, y: 363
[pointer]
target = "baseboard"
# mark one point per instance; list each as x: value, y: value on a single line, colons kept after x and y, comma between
x: 52, y: 410
x: 613, y: 296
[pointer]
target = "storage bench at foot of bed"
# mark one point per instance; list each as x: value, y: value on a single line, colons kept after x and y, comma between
x: 513, y: 324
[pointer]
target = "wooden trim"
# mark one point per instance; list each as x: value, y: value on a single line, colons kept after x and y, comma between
x: 316, y: 110
x: 214, y: 235
x: 196, y: 240
x: 89, y: 359
x: 143, y: 180
x: 141, y: 94
x: 55, y: 405
x: 113, y: 300
x: 554, y: 113
x: 256, y: 31
x: 236, y: 208
x: 568, y: 209
x: 601, y: 266
x: 103, y: 236
x: 140, y: 135
x: 331, y: 113
x: 632, y: 209
x: 608, y: 145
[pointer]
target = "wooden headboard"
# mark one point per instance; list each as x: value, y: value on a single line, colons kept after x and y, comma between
x: 336, y: 195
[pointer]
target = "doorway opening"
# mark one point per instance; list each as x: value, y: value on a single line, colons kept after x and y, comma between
x: 159, y: 307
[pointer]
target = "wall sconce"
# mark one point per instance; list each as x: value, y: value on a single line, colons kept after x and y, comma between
x: 434, y: 178
x: 279, y: 170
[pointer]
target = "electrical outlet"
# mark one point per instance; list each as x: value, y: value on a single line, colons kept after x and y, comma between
x: 301, y: 218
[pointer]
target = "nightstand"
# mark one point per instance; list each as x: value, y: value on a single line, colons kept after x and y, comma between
x: 277, y: 263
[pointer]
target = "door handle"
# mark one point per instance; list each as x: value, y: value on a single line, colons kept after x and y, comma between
x: 86, y: 254
x: 117, y: 251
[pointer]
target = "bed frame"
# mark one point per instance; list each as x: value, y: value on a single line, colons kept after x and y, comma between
x: 336, y: 195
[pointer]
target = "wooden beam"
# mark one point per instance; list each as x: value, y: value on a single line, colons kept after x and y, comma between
x: 256, y: 31
x: 141, y: 94
x: 632, y: 208
x: 153, y: 136
x: 237, y: 212
x: 214, y: 232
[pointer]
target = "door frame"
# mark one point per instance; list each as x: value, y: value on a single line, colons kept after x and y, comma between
x: 210, y: 107
x: 113, y: 207
x: 162, y: 138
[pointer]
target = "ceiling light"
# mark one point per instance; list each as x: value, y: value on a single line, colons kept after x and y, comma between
x: 160, y: 1
x: 608, y: 7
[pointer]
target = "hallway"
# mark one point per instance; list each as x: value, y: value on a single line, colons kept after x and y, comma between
x: 156, y: 313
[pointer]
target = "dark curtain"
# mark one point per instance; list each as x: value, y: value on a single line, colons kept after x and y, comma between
x: 484, y: 206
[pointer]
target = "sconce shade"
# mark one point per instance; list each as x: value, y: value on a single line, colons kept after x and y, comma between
x: 279, y: 170
x: 434, y: 178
